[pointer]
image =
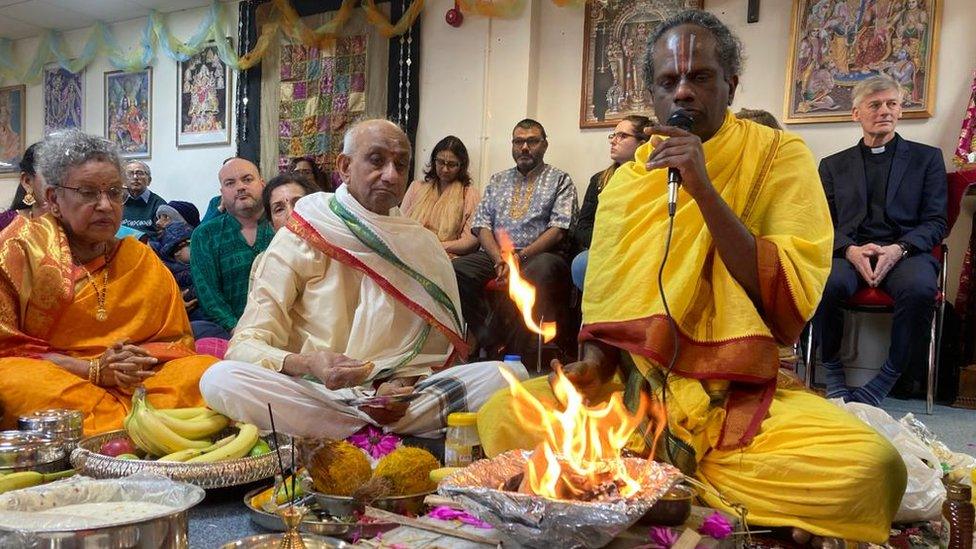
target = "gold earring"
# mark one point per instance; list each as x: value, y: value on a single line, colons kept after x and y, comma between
x: 29, y: 199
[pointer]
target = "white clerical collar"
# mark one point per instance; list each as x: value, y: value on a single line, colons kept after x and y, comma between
x: 878, y: 150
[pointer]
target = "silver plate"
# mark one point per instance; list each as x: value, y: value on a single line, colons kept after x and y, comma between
x: 273, y: 541
x: 220, y: 474
x: 23, y: 451
x: 315, y: 523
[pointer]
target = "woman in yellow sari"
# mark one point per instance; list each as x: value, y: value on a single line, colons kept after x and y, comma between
x: 84, y: 318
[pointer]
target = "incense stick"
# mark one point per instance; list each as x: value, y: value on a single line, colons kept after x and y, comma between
x: 538, y: 359
x: 281, y: 464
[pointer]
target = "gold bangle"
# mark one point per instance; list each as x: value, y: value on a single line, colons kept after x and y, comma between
x: 93, y: 371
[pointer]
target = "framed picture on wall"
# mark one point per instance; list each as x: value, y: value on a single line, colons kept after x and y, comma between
x: 64, y: 93
x: 128, y: 111
x: 203, y: 106
x: 615, y: 36
x: 13, y: 118
x: 835, y: 45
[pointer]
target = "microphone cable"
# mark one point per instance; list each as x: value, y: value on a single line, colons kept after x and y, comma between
x: 674, y: 337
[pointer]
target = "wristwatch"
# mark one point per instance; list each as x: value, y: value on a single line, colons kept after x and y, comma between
x: 904, y: 248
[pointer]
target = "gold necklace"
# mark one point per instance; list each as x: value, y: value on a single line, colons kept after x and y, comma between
x: 521, y: 202
x: 101, y: 314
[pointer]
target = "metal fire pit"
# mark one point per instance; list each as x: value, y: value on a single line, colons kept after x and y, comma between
x: 538, y: 522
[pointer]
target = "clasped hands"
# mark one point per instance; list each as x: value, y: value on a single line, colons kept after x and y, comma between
x: 125, y: 365
x: 886, y: 257
x: 337, y: 371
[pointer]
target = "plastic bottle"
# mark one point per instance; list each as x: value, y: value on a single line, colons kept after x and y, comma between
x: 513, y: 360
x: 462, y: 445
x: 958, y: 515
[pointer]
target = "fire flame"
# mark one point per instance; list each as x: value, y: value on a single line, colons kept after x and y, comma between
x: 581, y: 449
x: 522, y: 292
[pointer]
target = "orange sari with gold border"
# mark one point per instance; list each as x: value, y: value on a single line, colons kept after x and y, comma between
x: 47, y: 305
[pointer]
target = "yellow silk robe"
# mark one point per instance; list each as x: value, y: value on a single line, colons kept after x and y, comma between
x: 47, y: 305
x: 791, y: 457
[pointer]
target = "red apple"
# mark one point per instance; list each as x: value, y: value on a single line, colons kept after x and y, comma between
x: 116, y: 447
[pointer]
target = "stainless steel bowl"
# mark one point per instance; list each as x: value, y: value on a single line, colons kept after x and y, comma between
x: 158, y: 532
x: 219, y: 474
x: 22, y: 451
x: 317, y: 522
x: 57, y: 421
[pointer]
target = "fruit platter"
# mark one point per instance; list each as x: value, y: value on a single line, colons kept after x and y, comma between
x: 193, y: 445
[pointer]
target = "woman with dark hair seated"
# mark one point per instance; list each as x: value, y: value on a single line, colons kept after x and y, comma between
x: 445, y: 200
x: 306, y: 166
x: 85, y: 317
x: 29, y: 199
x: 624, y: 140
x: 281, y: 193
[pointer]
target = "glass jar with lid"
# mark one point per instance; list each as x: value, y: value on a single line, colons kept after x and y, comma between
x: 463, y: 445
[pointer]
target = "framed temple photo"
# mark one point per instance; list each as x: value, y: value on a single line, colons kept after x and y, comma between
x: 615, y: 34
x: 203, y: 100
x: 13, y: 118
x: 128, y: 111
x: 834, y: 44
x: 64, y: 99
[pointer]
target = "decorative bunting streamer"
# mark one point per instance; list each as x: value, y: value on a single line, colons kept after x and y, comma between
x: 156, y: 36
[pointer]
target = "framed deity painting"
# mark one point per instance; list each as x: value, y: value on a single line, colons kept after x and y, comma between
x: 203, y: 104
x: 13, y: 115
x: 834, y: 44
x: 64, y: 99
x: 128, y: 111
x: 615, y: 36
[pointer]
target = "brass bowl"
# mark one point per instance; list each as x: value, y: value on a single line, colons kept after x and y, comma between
x: 673, y: 509
x: 345, y: 506
x: 273, y: 541
x: 219, y: 474
x: 316, y: 523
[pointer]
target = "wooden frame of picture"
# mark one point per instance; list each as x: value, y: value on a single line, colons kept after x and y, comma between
x: 60, y: 90
x: 13, y: 128
x: 834, y: 46
x: 203, y: 114
x: 614, y: 41
x: 128, y: 111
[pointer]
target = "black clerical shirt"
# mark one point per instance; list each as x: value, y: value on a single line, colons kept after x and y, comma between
x: 876, y: 227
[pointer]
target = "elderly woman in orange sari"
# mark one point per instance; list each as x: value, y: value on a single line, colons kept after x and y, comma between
x: 85, y: 318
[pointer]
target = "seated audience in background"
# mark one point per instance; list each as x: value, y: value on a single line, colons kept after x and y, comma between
x: 759, y: 116
x: 279, y: 197
x: 748, y: 259
x: 223, y: 249
x: 84, y: 318
x: 535, y: 204
x: 29, y: 199
x: 624, y: 140
x: 173, y: 248
x: 140, y: 207
x: 352, y: 300
x: 177, y: 211
x: 445, y: 199
x: 307, y: 167
x: 887, y: 199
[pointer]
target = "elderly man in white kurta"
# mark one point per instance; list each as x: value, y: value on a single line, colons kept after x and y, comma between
x: 352, y: 300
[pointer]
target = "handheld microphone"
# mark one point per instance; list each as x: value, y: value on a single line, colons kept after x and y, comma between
x: 679, y: 119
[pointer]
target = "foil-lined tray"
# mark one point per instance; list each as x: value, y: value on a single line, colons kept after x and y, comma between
x: 220, y: 474
x: 537, y: 522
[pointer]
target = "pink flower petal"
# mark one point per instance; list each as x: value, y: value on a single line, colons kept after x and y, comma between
x: 663, y: 537
x: 716, y: 526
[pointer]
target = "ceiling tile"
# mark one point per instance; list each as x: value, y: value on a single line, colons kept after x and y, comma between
x: 13, y: 29
x: 171, y: 5
x: 42, y: 14
x: 102, y: 10
x: 4, y: 3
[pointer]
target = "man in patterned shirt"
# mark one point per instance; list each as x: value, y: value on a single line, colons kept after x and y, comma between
x: 223, y: 249
x: 535, y: 204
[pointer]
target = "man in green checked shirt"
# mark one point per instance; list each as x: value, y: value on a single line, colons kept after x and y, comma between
x: 224, y: 248
x: 354, y: 317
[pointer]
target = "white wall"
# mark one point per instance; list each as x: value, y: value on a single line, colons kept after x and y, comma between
x: 484, y: 63
x: 178, y: 174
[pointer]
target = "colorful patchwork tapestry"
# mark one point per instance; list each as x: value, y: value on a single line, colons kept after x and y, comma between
x: 323, y: 91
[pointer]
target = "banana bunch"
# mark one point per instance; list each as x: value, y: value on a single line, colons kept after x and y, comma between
x: 26, y: 479
x: 166, y: 432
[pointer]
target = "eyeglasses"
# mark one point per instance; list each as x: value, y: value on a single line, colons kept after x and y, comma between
x: 89, y: 195
x: 620, y: 136
x: 531, y: 141
x: 446, y: 164
x: 137, y: 173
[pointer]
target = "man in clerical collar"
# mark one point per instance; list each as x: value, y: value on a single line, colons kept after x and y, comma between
x: 535, y: 204
x: 887, y: 198
x: 140, y: 208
